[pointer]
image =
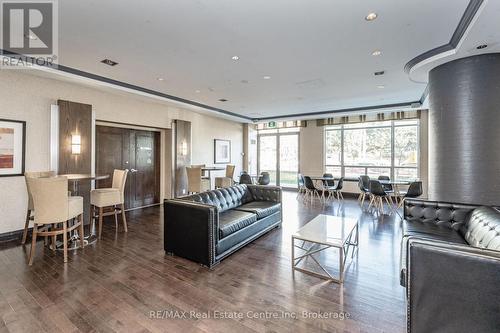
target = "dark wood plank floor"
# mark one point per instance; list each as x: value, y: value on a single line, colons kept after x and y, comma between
x: 117, y: 284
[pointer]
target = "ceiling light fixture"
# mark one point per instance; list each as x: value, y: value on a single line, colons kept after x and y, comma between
x: 376, y: 53
x: 235, y: 58
x: 371, y: 16
x: 160, y: 79
x: 379, y: 73
x: 197, y: 91
x: 381, y: 86
x: 483, y: 46
x: 267, y: 77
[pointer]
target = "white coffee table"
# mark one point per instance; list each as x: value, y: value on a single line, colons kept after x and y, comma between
x: 324, y: 232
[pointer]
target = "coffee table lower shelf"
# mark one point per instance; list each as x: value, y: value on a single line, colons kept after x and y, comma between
x: 349, y: 245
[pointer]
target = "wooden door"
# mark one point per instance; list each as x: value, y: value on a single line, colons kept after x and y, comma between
x: 137, y: 151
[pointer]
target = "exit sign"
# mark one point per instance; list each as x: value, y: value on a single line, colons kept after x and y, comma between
x: 271, y: 124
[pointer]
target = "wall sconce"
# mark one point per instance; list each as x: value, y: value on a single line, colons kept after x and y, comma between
x: 76, y: 144
x: 184, y: 148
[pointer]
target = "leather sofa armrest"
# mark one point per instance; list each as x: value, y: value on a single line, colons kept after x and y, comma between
x: 452, y: 288
x: 265, y: 193
x: 191, y: 230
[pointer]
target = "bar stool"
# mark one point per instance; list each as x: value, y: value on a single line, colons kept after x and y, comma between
x: 53, y: 206
x: 31, y: 209
x: 110, y: 197
x: 226, y: 181
x: 197, y: 184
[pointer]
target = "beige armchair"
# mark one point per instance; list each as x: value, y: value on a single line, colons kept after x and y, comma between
x: 196, y: 183
x: 31, y: 209
x: 110, y: 197
x: 228, y: 180
x: 53, y: 206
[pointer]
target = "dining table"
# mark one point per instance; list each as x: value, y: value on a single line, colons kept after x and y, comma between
x: 75, y: 179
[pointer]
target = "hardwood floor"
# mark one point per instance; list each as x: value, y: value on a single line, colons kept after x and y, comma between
x: 126, y: 283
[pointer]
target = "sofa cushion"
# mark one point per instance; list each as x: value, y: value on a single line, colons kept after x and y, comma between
x: 260, y: 208
x: 483, y: 229
x: 432, y: 231
x: 233, y: 220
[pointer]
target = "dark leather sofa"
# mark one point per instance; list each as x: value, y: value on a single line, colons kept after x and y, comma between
x: 209, y: 226
x: 450, y: 266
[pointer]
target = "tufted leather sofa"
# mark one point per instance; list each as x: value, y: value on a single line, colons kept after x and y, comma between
x: 450, y: 266
x: 208, y: 226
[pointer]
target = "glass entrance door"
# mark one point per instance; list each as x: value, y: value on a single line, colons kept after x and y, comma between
x: 267, y: 156
x: 279, y: 155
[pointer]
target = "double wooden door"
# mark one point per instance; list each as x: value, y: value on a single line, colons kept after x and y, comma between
x: 135, y: 150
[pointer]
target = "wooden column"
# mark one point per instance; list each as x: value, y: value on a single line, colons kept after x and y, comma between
x: 76, y: 119
x: 182, y: 155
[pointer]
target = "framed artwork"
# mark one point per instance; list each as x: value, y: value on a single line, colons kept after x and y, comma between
x: 222, y: 151
x: 12, y: 147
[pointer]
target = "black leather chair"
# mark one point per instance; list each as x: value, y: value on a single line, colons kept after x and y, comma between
x: 450, y: 266
x: 364, y: 187
x: 311, y: 190
x: 207, y: 227
x: 245, y: 179
x: 378, y: 194
x: 329, y: 182
x: 264, y: 178
x: 387, y: 187
x: 415, y: 190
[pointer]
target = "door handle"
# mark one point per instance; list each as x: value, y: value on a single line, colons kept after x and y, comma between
x: 133, y: 170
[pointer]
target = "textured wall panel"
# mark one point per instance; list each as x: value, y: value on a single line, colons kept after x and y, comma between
x: 464, y: 130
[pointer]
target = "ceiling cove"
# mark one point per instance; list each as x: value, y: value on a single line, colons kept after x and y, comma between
x: 467, y: 18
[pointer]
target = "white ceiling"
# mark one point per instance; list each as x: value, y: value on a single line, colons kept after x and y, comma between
x: 318, y: 53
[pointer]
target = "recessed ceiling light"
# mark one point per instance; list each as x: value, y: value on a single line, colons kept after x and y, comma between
x: 381, y: 86
x: 160, y: 79
x: 109, y: 62
x: 197, y: 91
x: 267, y: 77
x: 483, y: 46
x: 376, y: 53
x: 222, y: 100
x: 379, y: 73
x: 235, y: 58
x: 371, y: 16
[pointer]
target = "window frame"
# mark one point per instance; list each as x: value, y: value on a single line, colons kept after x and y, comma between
x: 390, y: 124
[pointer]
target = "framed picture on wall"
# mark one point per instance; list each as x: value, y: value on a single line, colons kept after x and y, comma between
x: 12, y: 147
x: 222, y: 151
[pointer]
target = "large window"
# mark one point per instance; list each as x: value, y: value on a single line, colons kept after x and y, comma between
x: 376, y: 148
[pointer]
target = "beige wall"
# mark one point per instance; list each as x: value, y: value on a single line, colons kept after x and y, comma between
x: 312, y: 152
x: 27, y: 97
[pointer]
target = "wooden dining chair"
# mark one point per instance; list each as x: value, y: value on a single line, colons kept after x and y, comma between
x: 54, y: 207
x: 228, y: 179
x: 31, y: 209
x: 196, y: 183
x: 113, y: 197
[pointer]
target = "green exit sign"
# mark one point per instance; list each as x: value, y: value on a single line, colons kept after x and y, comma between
x: 271, y: 124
